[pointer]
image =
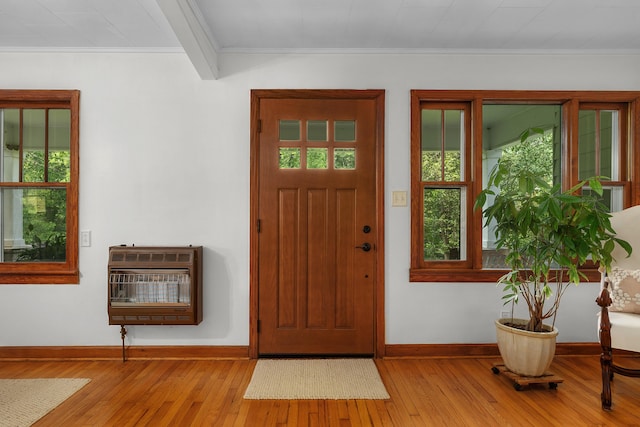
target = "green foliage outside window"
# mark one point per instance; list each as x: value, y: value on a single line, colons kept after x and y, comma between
x: 442, y: 223
x: 317, y: 158
x: 289, y: 158
x: 44, y: 209
x: 442, y: 205
x: 441, y: 208
x: 345, y: 158
x: 535, y: 156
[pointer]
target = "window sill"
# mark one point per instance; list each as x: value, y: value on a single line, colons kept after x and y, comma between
x: 462, y: 275
x: 40, y: 278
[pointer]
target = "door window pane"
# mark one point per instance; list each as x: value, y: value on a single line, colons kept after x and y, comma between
x: 344, y: 158
x: 344, y: 130
x: 289, y: 130
x: 317, y: 158
x: 289, y: 158
x: 317, y: 130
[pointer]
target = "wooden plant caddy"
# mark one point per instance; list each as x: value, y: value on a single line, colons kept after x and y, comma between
x: 520, y: 381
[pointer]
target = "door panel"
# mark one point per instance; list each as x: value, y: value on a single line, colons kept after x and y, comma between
x: 317, y: 192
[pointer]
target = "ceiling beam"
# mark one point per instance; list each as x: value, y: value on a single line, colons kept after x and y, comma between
x: 194, y: 37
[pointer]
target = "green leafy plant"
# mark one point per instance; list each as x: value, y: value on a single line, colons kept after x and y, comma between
x: 547, y: 234
x: 52, y: 249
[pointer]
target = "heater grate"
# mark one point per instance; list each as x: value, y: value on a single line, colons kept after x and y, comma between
x: 129, y: 288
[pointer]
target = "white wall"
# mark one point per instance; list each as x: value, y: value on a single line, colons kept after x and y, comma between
x: 165, y: 161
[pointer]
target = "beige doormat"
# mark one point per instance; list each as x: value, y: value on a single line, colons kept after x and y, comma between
x: 295, y: 379
x: 25, y: 401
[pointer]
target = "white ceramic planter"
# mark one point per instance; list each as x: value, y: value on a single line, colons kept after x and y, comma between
x: 525, y: 353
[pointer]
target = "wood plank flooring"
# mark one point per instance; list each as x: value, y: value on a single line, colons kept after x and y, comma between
x: 424, y: 392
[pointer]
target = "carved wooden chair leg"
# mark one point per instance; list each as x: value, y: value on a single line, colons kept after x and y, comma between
x: 607, y: 376
x: 606, y: 357
x: 123, y: 333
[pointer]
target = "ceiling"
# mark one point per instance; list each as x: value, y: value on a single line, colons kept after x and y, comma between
x: 206, y: 28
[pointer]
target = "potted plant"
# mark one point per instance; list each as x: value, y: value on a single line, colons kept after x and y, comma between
x: 546, y: 234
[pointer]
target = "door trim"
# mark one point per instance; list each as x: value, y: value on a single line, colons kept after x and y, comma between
x: 377, y: 95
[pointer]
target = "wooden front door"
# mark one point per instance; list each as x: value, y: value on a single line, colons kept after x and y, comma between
x: 317, y: 239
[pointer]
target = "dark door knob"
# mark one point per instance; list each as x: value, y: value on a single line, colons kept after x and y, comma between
x: 365, y: 247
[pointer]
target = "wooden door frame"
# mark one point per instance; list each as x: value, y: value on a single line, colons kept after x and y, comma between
x: 377, y: 95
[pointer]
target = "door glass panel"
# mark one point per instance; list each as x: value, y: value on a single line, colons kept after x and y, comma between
x: 34, y: 224
x: 317, y: 158
x: 344, y: 130
x: 344, y: 158
x: 444, y: 224
x: 289, y: 158
x: 317, y: 130
x: 59, y: 161
x: 289, y: 130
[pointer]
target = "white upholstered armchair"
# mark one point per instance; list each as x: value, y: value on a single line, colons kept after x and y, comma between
x: 619, y: 318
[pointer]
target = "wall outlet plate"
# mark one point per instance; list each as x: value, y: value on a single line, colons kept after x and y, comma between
x: 85, y: 238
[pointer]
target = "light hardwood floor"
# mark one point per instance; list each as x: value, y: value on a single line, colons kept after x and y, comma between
x: 424, y: 392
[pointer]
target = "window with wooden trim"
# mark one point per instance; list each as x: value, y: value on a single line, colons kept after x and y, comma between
x: 445, y: 182
x: 601, y: 140
x: 39, y: 186
x: 457, y: 136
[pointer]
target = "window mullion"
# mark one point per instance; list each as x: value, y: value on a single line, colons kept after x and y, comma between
x: 443, y: 139
x: 598, y: 146
x: 20, y: 145
x: 46, y: 145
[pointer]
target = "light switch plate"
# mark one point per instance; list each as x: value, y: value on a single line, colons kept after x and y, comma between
x: 398, y: 198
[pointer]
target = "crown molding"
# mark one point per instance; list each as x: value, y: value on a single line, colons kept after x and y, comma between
x: 63, y: 49
x: 425, y: 51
